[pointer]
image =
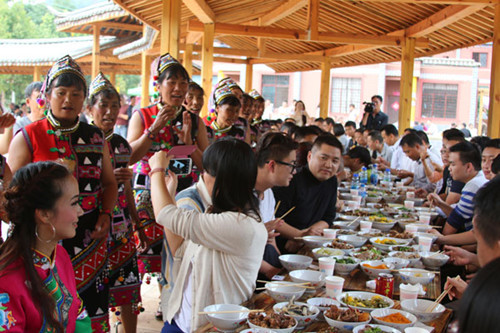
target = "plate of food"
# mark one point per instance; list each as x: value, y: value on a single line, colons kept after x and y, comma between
x: 345, y: 318
x: 384, y: 243
x: 339, y: 244
x: 365, y: 301
x: 367, y: 252
x: 279, y: 323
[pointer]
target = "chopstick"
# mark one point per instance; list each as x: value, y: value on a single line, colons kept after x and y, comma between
x: 357, y: 218
x: 289, y: 211
x: 230, y: 311
x: 432, y: 255
x: 438, y: 300
x: 276, y: 208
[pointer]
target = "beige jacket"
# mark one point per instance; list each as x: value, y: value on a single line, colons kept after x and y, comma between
x: 225, y: 267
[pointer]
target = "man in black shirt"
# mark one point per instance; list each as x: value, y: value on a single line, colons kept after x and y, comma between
x: 313, y: 193
x: 376, y: 119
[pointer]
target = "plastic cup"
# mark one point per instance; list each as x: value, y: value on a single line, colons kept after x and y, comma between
x: 327, y: 265
x: 365, y: 225
x: 409, y: 204
x: 354, y: 191
x: 424, y: 243
x: 330, y: 233
x: 416, y: 330
x: 412, y: 229
x: 357, y: 198
x: 334, y: 286
x: 399, y: 184
x: 407, y: 291
x: 424, y: 219
x: 410, y: 195
x: 353, y: 204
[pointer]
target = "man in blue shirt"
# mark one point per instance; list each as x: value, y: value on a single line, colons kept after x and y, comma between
x: 376, y: 119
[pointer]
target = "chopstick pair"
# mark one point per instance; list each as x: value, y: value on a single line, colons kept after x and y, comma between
x: 438, y: 300
x: 230, y: 311
x: 282, y: 216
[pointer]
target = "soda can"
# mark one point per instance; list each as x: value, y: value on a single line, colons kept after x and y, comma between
x: 385, y: 285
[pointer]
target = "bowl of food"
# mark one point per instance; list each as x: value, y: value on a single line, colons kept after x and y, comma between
x: 258, y: 330
x: 394, y: 318
x: 421, y: 227
x: 315, y: 278
x: 384, y: 226
x: 323, y: 304
x: 395, y: 262
x: 384, y: 243
x: 284, y: 291
x: 400, y: 235
x: 344, y: 318
x: 346, y: 265
x: 364, y: 301
x: 418, y: 307
x: 226, y: 322
x: 327, y: 252
x: 292, y: 262
x: 371, y: 233
x: 373, y: 198
x: 345, y: 232
x: 367, y: 252
x: 412, y: 257
x: 417, y: 235
x: 373, y: 268
x: 355, y: 241
x: 277, y: 322
x: 426, y: 210
x: 345, y: 217
x: 373, y: 328
x: 415, y: 275
x: 303, y: 313
x: 434, y: 260
x: 340, y: 245
x: 351, y: 225
x: 313, y: 242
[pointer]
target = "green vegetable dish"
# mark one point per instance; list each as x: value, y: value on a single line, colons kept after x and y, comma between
x: 346, y: 261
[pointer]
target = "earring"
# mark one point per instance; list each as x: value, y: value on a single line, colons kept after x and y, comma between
x: 46, y: 241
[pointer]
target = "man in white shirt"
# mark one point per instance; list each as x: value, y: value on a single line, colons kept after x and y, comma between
x: 399, y: 160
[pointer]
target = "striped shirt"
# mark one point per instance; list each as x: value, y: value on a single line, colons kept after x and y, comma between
x: 461, y: 216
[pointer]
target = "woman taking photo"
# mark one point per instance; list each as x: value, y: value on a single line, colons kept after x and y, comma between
x: 61, y: 136
x: 42, y: 205
x: 230, y: 235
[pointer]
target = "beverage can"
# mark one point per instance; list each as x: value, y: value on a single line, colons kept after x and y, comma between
x: 385, y: 285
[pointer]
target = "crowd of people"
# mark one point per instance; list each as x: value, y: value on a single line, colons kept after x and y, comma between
x: 95, y: 206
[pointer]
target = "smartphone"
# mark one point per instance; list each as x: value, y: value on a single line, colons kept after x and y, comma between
x: 181, y: 166
x: 182, y: 150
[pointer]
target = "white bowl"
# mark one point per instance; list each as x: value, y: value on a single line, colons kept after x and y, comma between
x: 374, y: 199
x: 418, y: 307
x: 355, y: 241
x: 385, y: 312
x: 425, y: 234
x: 346, y: 224
x: 313, y: 242
x: 343, y: 217
x: 371, y: 233
x: 302, y: 321
x: 277, y: 330
x: 345, y: 325
x: 345, y: 269
x: 384, y: 226
x: 295, y: 261
x: 226, y: 322
x: 346, y: 251
x: 364, y: 296
x: 373, y: 272
x: 413, y: 261
x: 433, y: 260
x: 280, y: 292
x: 258, y: 330
x: 385, y: 329
x: 319, y: 301
x: 397, y: 263
x: 327, y: 252
x: 415, y: 275
x: 317, y: 279
x: 385, y: 247
x: 427, y: 210
x: 422, y: 227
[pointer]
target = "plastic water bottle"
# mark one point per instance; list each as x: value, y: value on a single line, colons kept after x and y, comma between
x: 355, y: 181
x: 387, y: 175
x: 374, y: 175
x: 363, y: 178
x: 362, y: 192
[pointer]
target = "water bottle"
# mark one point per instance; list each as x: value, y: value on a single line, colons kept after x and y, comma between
x: 374, y: 175
x: 355, y: 181
x: 387, y: 175
x: 363, y: 178
x: 362, y: 193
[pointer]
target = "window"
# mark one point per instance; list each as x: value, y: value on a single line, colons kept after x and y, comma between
x: 275, y: 88
x: 439, y: 100
x: 345, y: 91
x: 481, y: 58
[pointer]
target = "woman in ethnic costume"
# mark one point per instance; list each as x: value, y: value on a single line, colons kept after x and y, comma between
x: 42, y: 203
x: 61, y: 136
x: 124, y: 280
x: 227, y: 106
x: 262, y: 126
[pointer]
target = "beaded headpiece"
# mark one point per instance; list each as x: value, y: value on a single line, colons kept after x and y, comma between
x: 99, y: 84
x: 222, y: 92
x: 227, y: 81
x: 255, y: 94
x: 64, y: 65
x: 164, y: 62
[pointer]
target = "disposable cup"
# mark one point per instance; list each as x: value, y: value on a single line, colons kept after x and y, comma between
x: 399, y: 184
x: 424, y: 219
x: 327, y: 265
x: 354, y: 191
x: 424, y: 243
x: 410, y: 195
x: 411, y: 228
x: 330, y: 233
x: 357, y: 198
x: 407, y: 291
x: 334, y: 286
x: 409, y: 204
x: 365, y: 225
x: 353, y: 204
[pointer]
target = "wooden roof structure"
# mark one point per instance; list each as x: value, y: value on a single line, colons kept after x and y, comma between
x: 298, y: 35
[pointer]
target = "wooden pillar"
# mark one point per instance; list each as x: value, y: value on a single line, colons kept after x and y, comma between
x: 145, y: 75
x: 96, y: 51
x: 248, y: 77
x: 188, y: 59
x: 405, y: 88
x: 37, y: 74
x: 207, y: 59
x: 494, y: 107
x: 313, y: 14
x: 325, y: 89
x: 170, y: 27
x: 112, y: 78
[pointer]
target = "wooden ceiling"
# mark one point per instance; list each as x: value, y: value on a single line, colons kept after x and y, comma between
x: 299, y: 35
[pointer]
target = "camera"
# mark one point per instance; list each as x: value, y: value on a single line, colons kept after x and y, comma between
x: 369, y: 106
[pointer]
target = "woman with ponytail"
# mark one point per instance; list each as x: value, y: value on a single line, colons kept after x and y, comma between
x: 37, y: 282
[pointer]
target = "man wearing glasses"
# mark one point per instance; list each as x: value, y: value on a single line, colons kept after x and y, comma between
x: 313, y: 193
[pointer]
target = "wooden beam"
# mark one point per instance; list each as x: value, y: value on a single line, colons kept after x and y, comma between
x: 96, y: 50
x: 207, y: 63
x: 494, y: 107
x: 325, y: 89
x: 187, y: 61
x: 405, y: 88
x: 112, y: 78
x: 37, y: 73
x: 122, y: 26
x: 201, y: 10
x: 145, y: 76
x: 312, y: 19
x: 165, y: 27
x: 248, y: 77
x: 175, y: 26
x: 193, y: 37
x: 441, y: 2
x: 287, y: 8
x: 111, y: 59
x: 135, y: 13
